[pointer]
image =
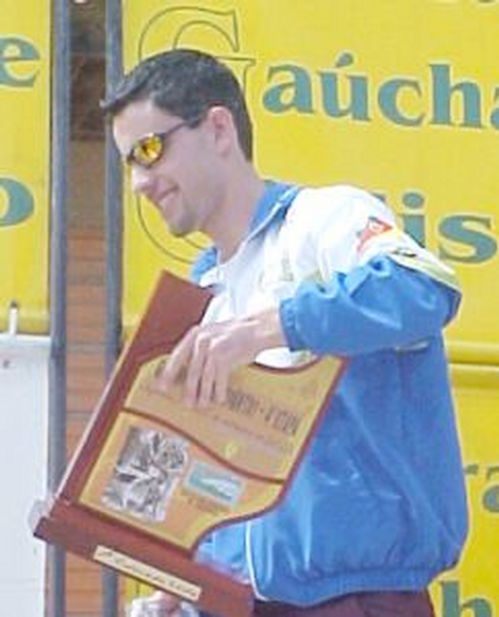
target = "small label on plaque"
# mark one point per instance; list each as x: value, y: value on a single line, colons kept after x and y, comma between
x: 158, y: 578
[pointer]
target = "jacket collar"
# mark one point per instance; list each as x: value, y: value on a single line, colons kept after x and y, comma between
x: 272, y: 206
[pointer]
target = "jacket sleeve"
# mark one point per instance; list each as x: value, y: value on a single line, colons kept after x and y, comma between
x: 388, y: 293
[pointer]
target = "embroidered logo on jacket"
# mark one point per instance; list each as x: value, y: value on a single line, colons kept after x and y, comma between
x: 374, y: 227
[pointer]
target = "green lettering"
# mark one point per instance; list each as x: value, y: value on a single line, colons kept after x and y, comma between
x: 19, y: 204
x: 358, y: 106
x: 414, y: 224
x: 443, y: 92
x: 472, y: 469
x: 15, y: 52
x: 491, y: 496
x: 293, y: 94
x: 388, y: 98
x: 494, y: 116
x: 462, y: 229
x: 451, y: 607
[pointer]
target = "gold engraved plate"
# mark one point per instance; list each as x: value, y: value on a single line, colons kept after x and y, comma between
x: 158, y: 578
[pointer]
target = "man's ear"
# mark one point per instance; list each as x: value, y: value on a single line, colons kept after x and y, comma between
x: 223, y: 130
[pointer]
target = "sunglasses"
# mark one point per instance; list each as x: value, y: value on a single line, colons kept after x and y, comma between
x: 147, y: 150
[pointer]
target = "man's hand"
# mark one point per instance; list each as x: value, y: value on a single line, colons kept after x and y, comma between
x: 158, y: 604
x: 208, y: 353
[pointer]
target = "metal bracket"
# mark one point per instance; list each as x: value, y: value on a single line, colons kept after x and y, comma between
x: 13, y: 318
x: 13, y: 344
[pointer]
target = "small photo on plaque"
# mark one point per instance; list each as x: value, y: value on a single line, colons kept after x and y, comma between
x: 214, y: 483
x: 146, y: 473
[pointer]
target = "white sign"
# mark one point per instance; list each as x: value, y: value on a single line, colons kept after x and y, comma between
x: 23, y: 471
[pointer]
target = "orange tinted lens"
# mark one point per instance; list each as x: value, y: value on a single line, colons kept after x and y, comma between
x: 148, y: 150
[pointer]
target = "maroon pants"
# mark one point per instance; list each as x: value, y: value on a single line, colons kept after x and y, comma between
x: 376, y: 604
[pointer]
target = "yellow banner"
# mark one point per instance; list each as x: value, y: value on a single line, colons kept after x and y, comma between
x: 24, y: 161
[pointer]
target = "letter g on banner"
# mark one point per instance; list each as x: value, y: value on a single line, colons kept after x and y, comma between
x: 207, y: 29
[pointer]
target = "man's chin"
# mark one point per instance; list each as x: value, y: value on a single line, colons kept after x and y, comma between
x: 178, y: 231
x: 180, y: 226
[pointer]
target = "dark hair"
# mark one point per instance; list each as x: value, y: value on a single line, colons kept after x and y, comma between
x: 185, y: 83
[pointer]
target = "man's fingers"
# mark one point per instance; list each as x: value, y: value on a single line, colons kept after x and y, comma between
x: 195, y: 372
x: 208, y: 381
x: 178, y: 360
x: 221, y: 385
x: 214, y: 376
x: 206, y: 355
x: 158, y: 603
x: 165, y: 600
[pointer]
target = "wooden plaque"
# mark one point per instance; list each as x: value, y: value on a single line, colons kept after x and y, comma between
x: 152, y: 477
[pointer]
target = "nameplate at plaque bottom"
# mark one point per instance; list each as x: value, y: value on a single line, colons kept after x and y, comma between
x: 138, y: 569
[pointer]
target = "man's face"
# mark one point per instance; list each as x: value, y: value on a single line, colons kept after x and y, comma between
x: 186, y: 182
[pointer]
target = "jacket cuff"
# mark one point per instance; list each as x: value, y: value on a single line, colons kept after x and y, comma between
x: 288, y: 322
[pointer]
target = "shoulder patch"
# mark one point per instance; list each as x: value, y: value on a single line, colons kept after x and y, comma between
x: 374, y: 227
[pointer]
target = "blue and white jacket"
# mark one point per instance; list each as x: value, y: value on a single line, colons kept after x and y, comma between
x: 378, y: 502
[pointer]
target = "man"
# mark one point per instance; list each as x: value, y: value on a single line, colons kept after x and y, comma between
x: 377, y: 508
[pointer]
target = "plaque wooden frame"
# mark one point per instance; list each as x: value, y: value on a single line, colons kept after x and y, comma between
x: 73, y: 518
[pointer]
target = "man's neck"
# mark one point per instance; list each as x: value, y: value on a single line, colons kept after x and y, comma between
x: 242, y: 196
